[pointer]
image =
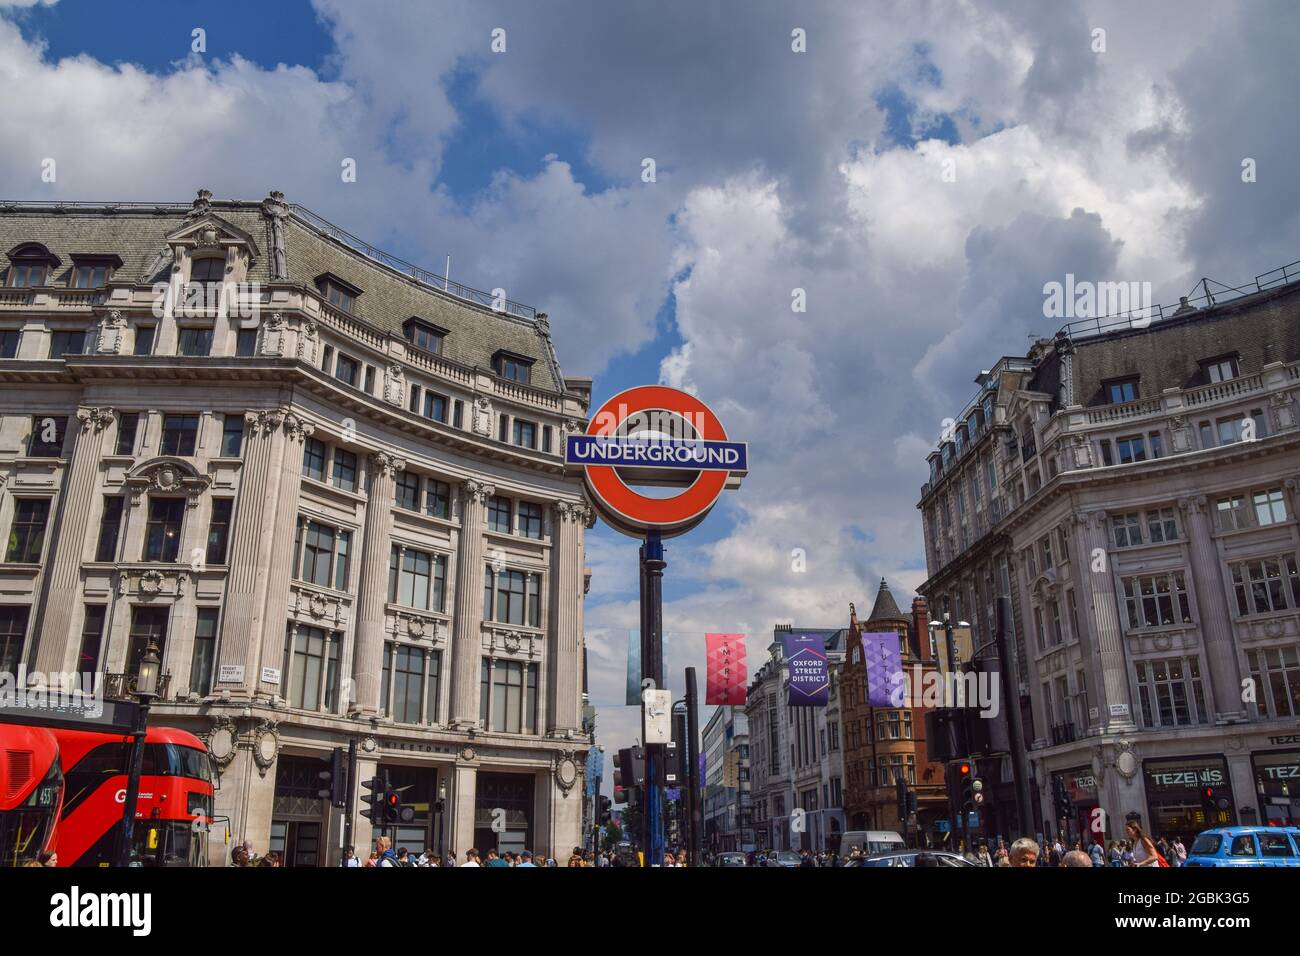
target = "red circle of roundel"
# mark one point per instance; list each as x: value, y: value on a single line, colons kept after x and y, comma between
x: 697, y: 498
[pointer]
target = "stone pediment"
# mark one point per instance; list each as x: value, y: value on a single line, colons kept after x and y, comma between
x: 1043, y: 587
x: 167, y: 476
x: 210, y: 231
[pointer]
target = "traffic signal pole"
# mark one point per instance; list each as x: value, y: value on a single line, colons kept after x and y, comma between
x: 652, y: 651
x: 1010, y: 680
x: 695, y: 827
x: 350, y: 811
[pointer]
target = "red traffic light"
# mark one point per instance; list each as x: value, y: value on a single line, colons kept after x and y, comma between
x: 393, y: 799
x: 964, y: 769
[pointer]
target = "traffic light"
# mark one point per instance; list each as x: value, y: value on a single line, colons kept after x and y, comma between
x: 977, y: 791
x: 965, y: 779
x: 1214, y: 800
x: 335, y: 780
x: 395, y: 811
x: 1064, y: 807
x: 900, y: 791
x: 620, y: 788
x: 911, y: 802
x: 374, y: 800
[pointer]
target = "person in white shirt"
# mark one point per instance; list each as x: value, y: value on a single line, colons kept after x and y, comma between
x: 471, y: 858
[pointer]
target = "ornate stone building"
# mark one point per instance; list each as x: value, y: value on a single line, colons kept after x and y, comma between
x: 1130, y: 486
x: 327, y: 485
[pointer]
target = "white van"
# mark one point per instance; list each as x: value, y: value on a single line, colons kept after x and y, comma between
x: 871, y: 842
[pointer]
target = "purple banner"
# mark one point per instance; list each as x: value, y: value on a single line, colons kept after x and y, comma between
x: 810, y: 682
x: 886, y: 681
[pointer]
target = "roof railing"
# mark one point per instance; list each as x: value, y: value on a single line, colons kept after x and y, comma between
x: 440, y: 283
x: 1212, y: 293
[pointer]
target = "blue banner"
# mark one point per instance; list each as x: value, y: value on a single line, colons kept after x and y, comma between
x: 886, y: 682
x: 693, y: 454
x: 810, y: 682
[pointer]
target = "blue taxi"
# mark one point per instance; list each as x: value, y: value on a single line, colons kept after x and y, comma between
x: 1246, y: 846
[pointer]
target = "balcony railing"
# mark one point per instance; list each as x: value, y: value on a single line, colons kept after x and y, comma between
x: 1062, y: 733
x: 122, y: 686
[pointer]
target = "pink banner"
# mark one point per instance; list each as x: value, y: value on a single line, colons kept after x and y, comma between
x: 727, y: 675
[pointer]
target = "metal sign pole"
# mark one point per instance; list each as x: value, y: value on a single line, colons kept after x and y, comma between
x: 653, y: 565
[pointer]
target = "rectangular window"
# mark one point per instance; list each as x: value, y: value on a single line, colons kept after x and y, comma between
x: 1107, y: 457
x: 148, y: 627
x: 534, y: 600
x: 417, y: 579
x: 307, y: 666
x: 327, y: 360
x: 406, y: 490
x: 413, y: 399
x: 1219, y: 370
x: 1171, y: 692
x: 437, y: 498
x: 195, y: 342
x: 1267, y: 585
x: 432, y: 695
x: 502, y: 426
x: 340, y: 298
x: 27, y: 275
x: 13, y: 635
x: 162, y: 540
x: 1157, y: 600
x: 1157, y: 445
x: 458, y: 414
x: 1127, y: 529
x: 423, y: 337
x: 9, y: 339
x: 92, y: 638
x: 180, y: 434
x: 325, y: 556
x: 1270, y: 507
x: 1276, y: 673
x: 546, y: 439
x: 435, y: 406
x: 525, y: 434
x: 530, y: 519
x: 110, y: 527
x: 48, y: 432
x: 205, y: 651
x: 484, y: 690
x: 499, y: 514
x: 27, y: 533
x: 1228, y: 430
x: 346, y: 369
x: 1131, y: 449
x: 345, y: 470
x: 514, y: 697
x: 219, y: 530
x: 313, y: 459
x: 1122, y: 390
x: 67, y: 343
x: 1232, y: 514
x: 516, y: 370
x: 90, y: 276
x: 369, y: 380
x: 246, y: 342
x: 128, y: 426
x: 143, y: 340
x: 232, y: 435
x: 1162, y: 527
x: 408, y: 683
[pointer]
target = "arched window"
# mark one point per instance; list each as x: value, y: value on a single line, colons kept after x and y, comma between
x: 207, y: 269
x: 30, y: 265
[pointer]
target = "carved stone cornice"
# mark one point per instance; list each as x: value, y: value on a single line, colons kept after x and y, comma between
x: 297, y: 428
x: 167, y: 477
x: 264, y: 422
x: 1193, y: 504
x: 576, y: 511
x: 97, y: 418
x: 382, y: 463
x: 1089, y: 519
x: 475, y: 490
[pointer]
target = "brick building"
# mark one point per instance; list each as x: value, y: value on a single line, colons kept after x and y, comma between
x: 883, y: 744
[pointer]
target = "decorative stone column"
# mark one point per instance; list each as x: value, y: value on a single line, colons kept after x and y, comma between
x: 1212, y: 607
x: 372, y: 594
x: 467, y: 641
x: 256, y: 544
x: 1115, y: 706
x: 56, y: 649
x: 565, y: 634
x: 279, y: 562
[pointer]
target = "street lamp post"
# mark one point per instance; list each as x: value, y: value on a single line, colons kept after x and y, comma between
x: 442, y: 811
x: 146, y: 689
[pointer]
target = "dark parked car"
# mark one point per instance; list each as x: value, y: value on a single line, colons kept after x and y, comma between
x: 913, y: 858
x: 784, y: 858
x: 730, y: 859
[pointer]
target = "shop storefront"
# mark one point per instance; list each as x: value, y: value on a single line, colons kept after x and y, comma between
x: 1277, y: 783
x: 1081, y: 788
x: 1176, y: 795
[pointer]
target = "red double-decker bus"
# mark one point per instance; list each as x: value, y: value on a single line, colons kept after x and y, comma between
x: 175, y: 790
x: 31, y: 788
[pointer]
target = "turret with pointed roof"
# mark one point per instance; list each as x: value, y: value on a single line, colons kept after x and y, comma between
x: 886, y: 608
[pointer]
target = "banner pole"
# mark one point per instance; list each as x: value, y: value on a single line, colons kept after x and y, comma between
x: 653, y: 565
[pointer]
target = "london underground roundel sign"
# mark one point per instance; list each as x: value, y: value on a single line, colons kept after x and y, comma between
x: 657, y: 436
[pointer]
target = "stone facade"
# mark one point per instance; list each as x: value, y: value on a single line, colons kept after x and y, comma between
x: 796, y: 761
x: 728, y: 824
x: 1133, y: 494
x: 317, y: 490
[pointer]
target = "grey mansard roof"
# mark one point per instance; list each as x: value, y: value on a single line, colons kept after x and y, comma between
x: 136, y: 232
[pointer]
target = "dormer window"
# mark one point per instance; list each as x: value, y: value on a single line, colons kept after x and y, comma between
x: 424, y: 335
x: 338, y: 293
x: 30, y: 265
x: 206, y: 270
x: 93, y: 272
x: 1222, y: 369
x: 1121, y: 390
x: 516, y: 368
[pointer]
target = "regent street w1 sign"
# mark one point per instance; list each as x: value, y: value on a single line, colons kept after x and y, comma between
x: 653, y: 435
